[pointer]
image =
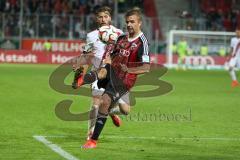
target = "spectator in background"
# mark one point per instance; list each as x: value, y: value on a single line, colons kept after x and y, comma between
x: 7, y: 7
x: 237, y: 18
x: 58, y: 7
x: 2, y: 5
x: 55, y: 20
x: 62, y: 28
x: 1, y: 33
x: 66, y: 7
x: 7, y: 31
x: 28, y: 28
x: 227, y: 23
x: 33, y: 5
x: 201, y: 22
x: 47, y: 7
x: 78, y: 30
x: 10, y: 25
x: 42, y: 15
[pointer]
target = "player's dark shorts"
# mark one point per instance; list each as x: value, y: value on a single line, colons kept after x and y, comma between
x: 113, y: 86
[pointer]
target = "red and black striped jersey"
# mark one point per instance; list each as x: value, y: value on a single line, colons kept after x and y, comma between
x: 132, y: 53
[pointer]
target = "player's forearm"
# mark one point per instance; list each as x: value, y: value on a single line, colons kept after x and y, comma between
x: 85, y: 68
x: 84, y: 59
x: 139, y: 70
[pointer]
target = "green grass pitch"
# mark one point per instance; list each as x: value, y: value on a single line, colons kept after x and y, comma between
x: 201, y: 119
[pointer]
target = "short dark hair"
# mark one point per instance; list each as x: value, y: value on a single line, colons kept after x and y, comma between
x: 135, y: 11
x: 104, y: 9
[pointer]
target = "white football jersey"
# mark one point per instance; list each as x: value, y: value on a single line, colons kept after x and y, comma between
x: 235, y: 44
x: 99, y: 46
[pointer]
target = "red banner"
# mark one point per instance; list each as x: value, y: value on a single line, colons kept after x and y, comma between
x: 56, y: 45
x: 25, y: 56
x: 191, y: 60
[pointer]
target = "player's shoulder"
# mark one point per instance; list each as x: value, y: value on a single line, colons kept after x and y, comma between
x: 122, y: 36
x: 92, y: 36
x: 143, y: 39
x: 92, y: 33
x: 234, y: 39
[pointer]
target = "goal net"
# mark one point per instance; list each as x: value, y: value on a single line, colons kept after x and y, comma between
x: 198, y: 49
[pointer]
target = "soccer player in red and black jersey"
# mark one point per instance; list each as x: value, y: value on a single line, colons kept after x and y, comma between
x: 129, y: 58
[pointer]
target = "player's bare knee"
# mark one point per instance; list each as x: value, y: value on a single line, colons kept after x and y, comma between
x: 103, y: 109
x: 106, y: 103
x: 125, y: 109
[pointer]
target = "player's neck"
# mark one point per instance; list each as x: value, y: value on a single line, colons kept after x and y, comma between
x: 136, y: 34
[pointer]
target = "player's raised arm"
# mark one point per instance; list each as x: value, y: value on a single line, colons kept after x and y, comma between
x: 85, y: 57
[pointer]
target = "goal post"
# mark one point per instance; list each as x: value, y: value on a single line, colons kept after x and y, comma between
x: 208, y: 49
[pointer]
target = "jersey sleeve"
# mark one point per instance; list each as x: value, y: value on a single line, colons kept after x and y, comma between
x: 232, y: 43
x: 88, y: 38
x: 143, y: 52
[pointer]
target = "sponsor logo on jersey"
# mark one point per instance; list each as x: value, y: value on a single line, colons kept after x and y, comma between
x: 133, y: 46
x: 124, y: 52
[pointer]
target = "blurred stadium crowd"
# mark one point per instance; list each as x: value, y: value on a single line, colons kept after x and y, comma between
x: 219, y: 15
x: 73, y: 18
x: 210, y: 15
x: 53, y: 16
x: 76, y: 7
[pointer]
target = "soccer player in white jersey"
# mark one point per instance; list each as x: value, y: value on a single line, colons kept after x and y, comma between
x: 103, y: 18
x: 235, y: 57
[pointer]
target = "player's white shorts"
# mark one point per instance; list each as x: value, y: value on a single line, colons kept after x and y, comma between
x: 95, y: 90
x: 124, y: 99
x: 234, y: 62
x: 99, y: 91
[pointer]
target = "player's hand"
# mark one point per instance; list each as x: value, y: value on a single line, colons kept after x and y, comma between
x: 107, y: 59
x: 88, y: 48
x: 124, y: 68
x: 74, y: 67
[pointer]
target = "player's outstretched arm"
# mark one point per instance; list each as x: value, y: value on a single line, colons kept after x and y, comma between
x: 137, y: 70
x: 83, y: 60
